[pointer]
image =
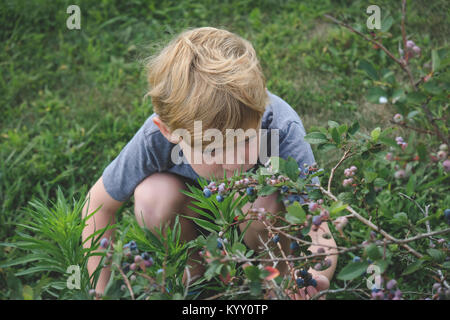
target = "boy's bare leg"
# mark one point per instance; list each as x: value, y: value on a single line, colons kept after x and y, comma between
x: 157, y: 200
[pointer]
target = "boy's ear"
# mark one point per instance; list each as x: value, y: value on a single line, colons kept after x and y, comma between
x: 164, y: 129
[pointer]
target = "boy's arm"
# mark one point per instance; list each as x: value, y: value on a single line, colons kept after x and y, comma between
x: 102, y: 218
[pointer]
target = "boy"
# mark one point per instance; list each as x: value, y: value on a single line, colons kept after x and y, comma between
x: 212, y: 77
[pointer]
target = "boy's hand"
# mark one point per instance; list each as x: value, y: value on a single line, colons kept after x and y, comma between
x: 307, y: 293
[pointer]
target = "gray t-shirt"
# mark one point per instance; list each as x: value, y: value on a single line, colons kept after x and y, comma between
x: 149, y: 151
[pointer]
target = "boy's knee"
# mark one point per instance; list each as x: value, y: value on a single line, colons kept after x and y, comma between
x: 157, y: 198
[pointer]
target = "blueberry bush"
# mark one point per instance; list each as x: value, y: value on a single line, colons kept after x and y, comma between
x: 385, y: 199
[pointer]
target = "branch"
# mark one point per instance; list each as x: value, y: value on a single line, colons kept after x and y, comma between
x: 401, y: 63
x: 344, y: 157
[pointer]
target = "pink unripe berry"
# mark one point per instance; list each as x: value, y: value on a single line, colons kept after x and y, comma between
x: 321, y: 250
x: 398, y: 118
x: 391, y: 284
x: 399, y: 140
x: 324, y: 214
x: 104, y: 243
x: 398, y: 293
x: 320, y: 201
x: 133, y: 266
x: 400, y: 174
x: 416, y: 50
x: 132, y: 278
x: 353, y: 168
x: 389, y: 156
x: 442, y: 155
x: 446, y: 165
x: 410, y: 44
x: 313, y: 206
x: 404, y: 145
x: 137, y: 258
x: 443, y: 147
x: 317, y: 266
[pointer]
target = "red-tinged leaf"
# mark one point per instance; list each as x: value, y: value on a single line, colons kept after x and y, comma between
x: 273, y: 273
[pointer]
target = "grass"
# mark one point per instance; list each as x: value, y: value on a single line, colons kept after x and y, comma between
x: 71, y: 100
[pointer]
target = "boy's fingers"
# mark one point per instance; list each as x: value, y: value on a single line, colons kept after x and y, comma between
x: 311, y: 291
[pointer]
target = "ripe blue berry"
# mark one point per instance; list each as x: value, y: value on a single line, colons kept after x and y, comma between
x: 313, y: 283
x: 219, y: 244
x: 145, y: 256
x: 219, y: 198
x: 316, y: 220
x: 356, y: 259
x: 300, y: 282
x: 132, y: 245
x: 284, y: 189
x: 294, y: 245
x: 104, y: 243
x: 276, y: 238
x: 207, y: 192
x: 447, y: 214
x: 303, y: 273
x: 249, y: 191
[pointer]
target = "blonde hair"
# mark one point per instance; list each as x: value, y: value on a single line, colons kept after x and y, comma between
x: 209, y: 75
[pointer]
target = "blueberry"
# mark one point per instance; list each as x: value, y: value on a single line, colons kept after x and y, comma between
x: 145, y: 256
x: 447, y: 214
x: 300, y: 282
x: 219, y: 198
x: 125, y: 266
x: 207, y: 192
x: 313, y: 283
x: 316, y: 220
x: 104, y: 243
x: 356, y: 259
x: 284, y: 188
x: 303, y: 273
x: 133, y: 245
x: 249, y: 191
x: 219, y: 244
x: 369, y: 261
x: 294, y: 245
x: 276, y: 238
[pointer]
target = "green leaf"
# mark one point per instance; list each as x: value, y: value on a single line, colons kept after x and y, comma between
x: 353, y: 128
x: 333, y: 124
x: 27, y: 292
x: 379, y: 182
x: 411, y: 185
x: 422, y: 151
x: 206, y: 224
x: 374, y: 94
x: 296, y: 214
x: 292, y: 169
x: 373, y: 252
x: 252, y: 273
x: 375, y: 134
x: 415, y: 97
x: 435, y: 60
x: 369, y: 69
x: 335, y: 135
x: 413, y: 267
x: 268, y: 190
x: 315, y: 138
x: 383, y: 264
x: 353, y: 270
x: 437, y: 255
x: 337, y: 207
x: 386, y: 24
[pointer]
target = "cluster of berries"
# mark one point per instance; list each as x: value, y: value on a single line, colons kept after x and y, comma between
x: 401, y: 142
x: 222, y: 190
x: 412, y: 50
x: 305, y: 279
x: 442, y: 155
x: 143, y: 260
x: 440, y: 292
x: 349, y: 172
x: 391, y: 292
x: 324, y: 264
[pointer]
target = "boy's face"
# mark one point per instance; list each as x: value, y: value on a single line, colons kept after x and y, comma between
x: 229, y: 154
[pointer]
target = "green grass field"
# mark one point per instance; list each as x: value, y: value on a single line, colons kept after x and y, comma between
x: 70, y: 100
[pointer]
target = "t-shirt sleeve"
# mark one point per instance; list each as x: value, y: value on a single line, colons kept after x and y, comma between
x: 292, y: 144
x: 133, y: 164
